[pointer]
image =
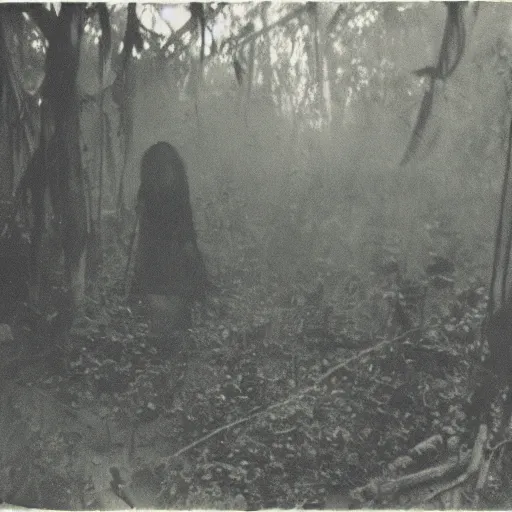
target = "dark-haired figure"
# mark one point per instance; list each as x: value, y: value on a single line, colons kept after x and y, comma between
x: 169, y: 269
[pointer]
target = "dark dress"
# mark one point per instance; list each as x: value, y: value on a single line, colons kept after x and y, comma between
x: 168, y: 261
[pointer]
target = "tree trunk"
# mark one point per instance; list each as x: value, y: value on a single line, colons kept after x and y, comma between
x: 66, y: 179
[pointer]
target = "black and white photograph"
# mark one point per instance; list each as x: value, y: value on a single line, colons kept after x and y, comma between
x: 255, y: 255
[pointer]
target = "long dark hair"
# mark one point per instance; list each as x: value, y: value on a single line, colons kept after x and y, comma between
x: 166, y: 213
x: 164, y: 185
x: 163, y: 168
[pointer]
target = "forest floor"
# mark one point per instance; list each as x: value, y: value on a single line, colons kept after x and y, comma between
x: 285, y: 394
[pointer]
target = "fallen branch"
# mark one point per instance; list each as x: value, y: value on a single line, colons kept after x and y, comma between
x: 373, y: 348
x: 296, y: 396
x: 374, y: 489
x: 428, y: 483
x: 474, y: 464
x: 213, y: 433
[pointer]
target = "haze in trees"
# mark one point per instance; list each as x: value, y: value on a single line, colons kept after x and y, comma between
x: 342, y: 362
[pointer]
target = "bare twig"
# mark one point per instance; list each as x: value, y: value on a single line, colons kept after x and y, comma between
x: 296, y: 396
x: 373, y: 348
x: 213, y: 433
x: 282, y: 21
x: 284, y: 432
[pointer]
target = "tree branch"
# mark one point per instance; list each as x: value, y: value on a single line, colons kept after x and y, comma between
x: 285, y: 19
x: 188, y: 27
x: 335, y: 18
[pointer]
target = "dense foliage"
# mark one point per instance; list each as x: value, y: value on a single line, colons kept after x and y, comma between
x: 343, y: 327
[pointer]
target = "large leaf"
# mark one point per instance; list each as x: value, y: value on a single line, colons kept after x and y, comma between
x: 450, y: 54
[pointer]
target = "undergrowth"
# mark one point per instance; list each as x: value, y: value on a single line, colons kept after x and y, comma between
x: 254, y: 359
